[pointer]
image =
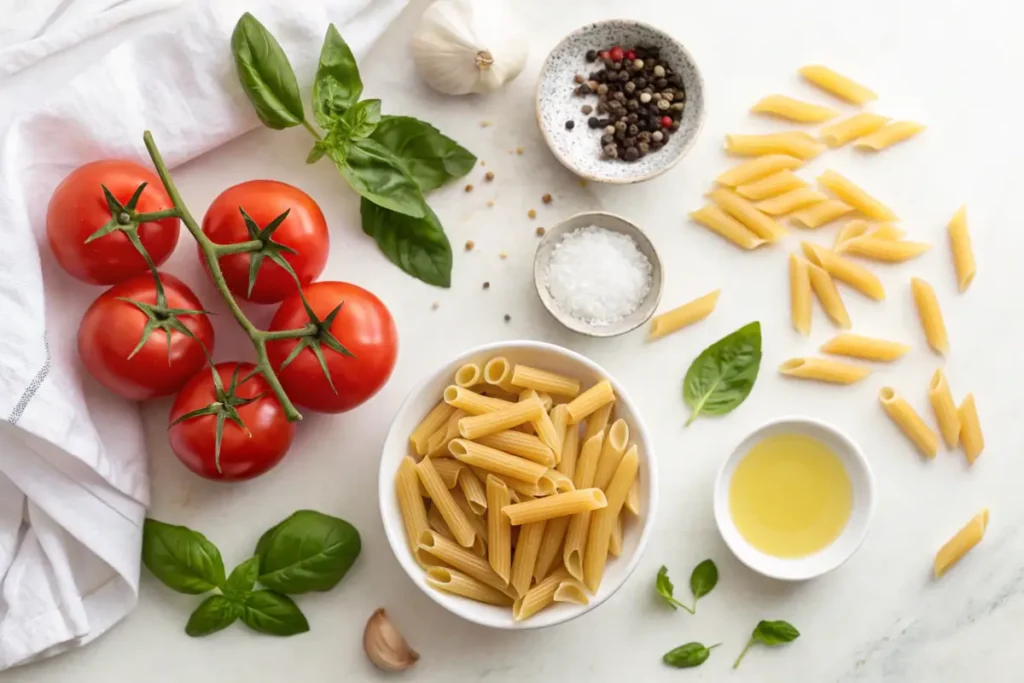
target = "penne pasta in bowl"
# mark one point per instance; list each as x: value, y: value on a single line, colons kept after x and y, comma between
x: 495, y: 509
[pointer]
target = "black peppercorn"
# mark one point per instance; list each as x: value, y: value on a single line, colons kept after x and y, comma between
x: 629, y: 141
x: 620, y: 126
x: 607, y: 139
x: 623, y: 76
x: 643, y: 148
x: 630, y: 87
x: 632, y: 118
x: 675, y: 125
x: 593, y: 122
x: 591, y: 55
x: 660, y: 83
x: 583, y: 90
x: 507, y: 317
x: 632, y: 105
x: 640, y: 82
x: 569, y: 125
x: 632, y: 154
x: 620, y: 97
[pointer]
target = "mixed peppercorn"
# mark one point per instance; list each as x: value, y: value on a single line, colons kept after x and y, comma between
x: 640, y: 100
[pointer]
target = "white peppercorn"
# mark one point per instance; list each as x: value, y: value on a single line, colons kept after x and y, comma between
x: 645, y: 97
x: 663, y: 105
x: 609, y: 130
x: 638, y: 64
x: 659, y: 71
x: 657, y: 136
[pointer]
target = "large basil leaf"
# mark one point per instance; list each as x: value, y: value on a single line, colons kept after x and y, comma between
x: 269, y: 612
x: 184, y: 560
x: 416, y: 245
x: 361, y: 120
x: 215, y: 613
x: 775, y: 632
x: 338, y: 85
x: 377, y: 174
x: 431, y: 158
x: 308, y: 551
x: 266, y: 74
x: 723, y: 374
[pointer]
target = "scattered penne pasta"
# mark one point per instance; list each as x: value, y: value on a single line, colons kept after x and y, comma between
x: 515, y: 414
x: 886, y: 231
x: 837, y: 84
x: 791, y: 109
x: 590, y: 400
x: 595, y: 557
x: 760, y: 224
x: 472, y: 402
x: 498, y: 372
x: 457, y: 521
x: 850, y: 230
x: 612, y: 452
x: 435, y: 419
x: 822, y: 213
x: 525, y: 377
x: 963, y: 254
x: 758, y: 168
x: 852, y: 194
x: 550, y: 547
x: 773, y: 185
x: 889, y: 251
x: 597, y: 422
x: 579, y: 525
x: 895, y: 132
x: 931, y: 317
x: 861, y: 279
x: 790, y: 201
x: 961, y: 543
x: 469, y: 375
x: 822, y: 370
x: 449, y: 469
x: 682, y: 316
x: 796, y: 144
x: 571, y: 590
x: 724, y: 225
x: 493, y: 460
x: 865, y: 348
x: 459, y: 558
x: 828, y: 296
x: 538, y: 597
x: 410, y: 503
x: 972, y: 441
x: 558, y: 505
x: 800, y: 294
x: 499, y: 529
x: 437, y: 446
x: 945, y: 410
x: 857, y: 126
x: 525, y: 557
x: 454, y: 582
x: 909, y: 422
x: 520, y: 443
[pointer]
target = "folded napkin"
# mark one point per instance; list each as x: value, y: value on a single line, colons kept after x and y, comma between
x: 73, y: 483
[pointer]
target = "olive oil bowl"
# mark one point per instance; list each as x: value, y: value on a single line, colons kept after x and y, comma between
x: 794, y: 499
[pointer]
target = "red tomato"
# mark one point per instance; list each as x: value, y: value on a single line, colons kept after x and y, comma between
x: 363, y: 326
x: 242, y: 456
x: 78, y: 209
x: 111, y: 329
x: 304, y: 230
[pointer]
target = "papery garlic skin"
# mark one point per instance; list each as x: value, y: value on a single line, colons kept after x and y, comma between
x: 468, y: 46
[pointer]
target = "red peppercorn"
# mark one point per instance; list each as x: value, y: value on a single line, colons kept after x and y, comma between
x: 616, y: 54
x: 603, y: 54
x: 666, y: 121
x: 630, y: 55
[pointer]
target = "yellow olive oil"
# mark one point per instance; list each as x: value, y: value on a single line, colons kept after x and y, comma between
x: 790, y: 496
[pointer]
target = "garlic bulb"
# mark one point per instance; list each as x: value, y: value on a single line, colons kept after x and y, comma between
x: 468, y: 46
x: 385, y: 646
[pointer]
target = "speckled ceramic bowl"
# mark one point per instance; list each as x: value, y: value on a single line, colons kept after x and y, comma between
x: 579, y: 149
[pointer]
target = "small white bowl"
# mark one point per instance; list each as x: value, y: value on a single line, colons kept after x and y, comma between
x: 853, y: 534
x: 608, y: 221
x: 427, y: 394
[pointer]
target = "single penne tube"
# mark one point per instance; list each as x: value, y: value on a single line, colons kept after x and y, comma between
x: 439, y: 494
x: 858, y: 277
x: 540, y: 596
x: 612, y: 451
x: 545, y: 399
x: 850, y: 230
x: 526, y: 377
x: 472, y: 402
x: 525, y: 557
x: 436, y: 522
x: 570, y: 450
x: 615, y: 542
x: 522, y: 490
x: 828, y: 296
x: 579, y: 524
x: 595, y: 556
x: 478, y: 522
x: 963, y: 254
x: 855, y: 196
x: 857, y: 126
x: 941, y: 399
x: 410, y: 503
x: 498, y: 372
x: 543, y: 426
x: 909, y: 422
x: 437, y: 446
x: 572, y: 591
x: 888, y: 251
x: 455, y: 582
x: 461, y: 559
x: 595, y: 397
x: 791, y: 109
x: 822, y: 213
x: 800, y: 294
x: 449, y: 469
x: 761, y: 224
x: 895, y: 132
x: 886, y: 231
x: 519, y: 443
x: 758, y: 167
x: 682, y: 316
x: 469, y: 375
x: 473, y: 489
x: 718, y: 221
x: 550, y: 547
x: 837, y: 84
x: 562, y: 483
x: 597, y: 422
x: 633, y: 499
x: 961, y: 543
x: 559, y: 415
x: 972, y: 441
x: 435, y: 419
x: 773, y: 185
x: 558, y: 505
x: 493, y: 460
x: 515, y: 414
x: 930, y: 315
x: 796, y: 144
x: 790, y: 201
x: 499, y: 530
x: 822, y: 370
x: 865, y: 348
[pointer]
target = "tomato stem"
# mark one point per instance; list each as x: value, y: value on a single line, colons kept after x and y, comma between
x: 211, y: 252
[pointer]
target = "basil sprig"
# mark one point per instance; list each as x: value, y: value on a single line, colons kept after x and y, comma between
x: 389, y: 160
x: 703, y: 580
x: 721, y: 377
x: 689, y: 655
x: 308, y: 551
x: 769, y: 633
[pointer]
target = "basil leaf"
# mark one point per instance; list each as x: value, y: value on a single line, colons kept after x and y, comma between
x: 431, y: 158
x: 308, y: 551
x: 184, y: 560
x: 243, y: 578
x: 377, y: 174
x: 266, y: 74
x: 775, y: 632
x: 703, y: 580
x: 361, y: 120
x: 416, y: 245
x: 269, y: 612
x: 215, y: 613
x: 338, y: 85
x: 688, y: 656
x: 665, y: 589
x: 721, y: 377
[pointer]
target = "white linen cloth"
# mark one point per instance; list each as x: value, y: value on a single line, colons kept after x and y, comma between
x: 73, y: 483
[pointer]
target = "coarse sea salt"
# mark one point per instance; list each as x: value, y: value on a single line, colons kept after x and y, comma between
x: 597, y: 275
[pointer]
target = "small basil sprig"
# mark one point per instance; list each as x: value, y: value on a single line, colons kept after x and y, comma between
x: 703, y: 580
x: 769, y: 633
x: 337, y: 85
x: 689, y: 655
x: 721, y: 377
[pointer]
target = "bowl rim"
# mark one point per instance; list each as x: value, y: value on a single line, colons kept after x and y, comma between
x: 584, y: 328
x: 396, y: 536
x: 722, y: 517
x: 688, y: 143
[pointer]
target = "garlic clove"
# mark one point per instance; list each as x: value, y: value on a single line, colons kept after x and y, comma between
x: 385, y: 646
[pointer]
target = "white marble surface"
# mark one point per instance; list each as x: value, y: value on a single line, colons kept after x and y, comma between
x: 950, y: 63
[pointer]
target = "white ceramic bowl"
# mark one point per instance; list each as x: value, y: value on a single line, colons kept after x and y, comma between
x: 427, y: 394
x: 853, y: 534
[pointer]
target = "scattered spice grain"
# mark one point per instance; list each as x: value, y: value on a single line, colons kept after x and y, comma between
x: 469, y: 245
x: 531, y: 213
x: 507, y: 317
x: 489, y: 176
x: 519, y: 151
x: 546, y: 199
x: 487, y: 285
x: 539, y: 232
x: 469, y: 188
